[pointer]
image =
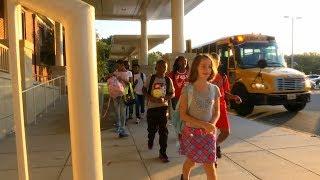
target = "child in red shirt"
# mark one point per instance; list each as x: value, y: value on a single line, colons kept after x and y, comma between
x: 223, y: 124
x: 179, y: 77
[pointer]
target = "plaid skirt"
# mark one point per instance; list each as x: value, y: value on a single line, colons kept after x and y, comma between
x: 198, y: 145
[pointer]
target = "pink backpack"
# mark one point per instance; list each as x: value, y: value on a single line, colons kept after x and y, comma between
x: 116, y: 88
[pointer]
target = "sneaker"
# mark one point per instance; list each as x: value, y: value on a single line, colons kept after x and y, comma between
x: 122, y: 135
x: 218, y: 151
x: 150, y: 146
x: 137, y: 120
x: 164, y: 158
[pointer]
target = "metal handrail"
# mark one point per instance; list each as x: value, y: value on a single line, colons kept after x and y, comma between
x: 33, y: 89
x: 4, y: 58
x: 42, y: 84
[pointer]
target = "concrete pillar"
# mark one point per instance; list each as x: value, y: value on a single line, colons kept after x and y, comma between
x: 14, y: 14
x: 83, y: 99
x: 58, y: 36
x: 177, y: 15
x: 144, y: 40
x: 78, y: 19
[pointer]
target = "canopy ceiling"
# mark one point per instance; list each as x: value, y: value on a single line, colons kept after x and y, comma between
x: 129, y: 45
x: 131, y: 9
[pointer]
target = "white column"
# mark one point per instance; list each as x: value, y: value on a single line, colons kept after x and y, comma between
x: 78, y: 19
x: 177, y: 15
x: 83, y: 97
x: 144, y: 40
x: 58, y: 35
x: 14, y: 13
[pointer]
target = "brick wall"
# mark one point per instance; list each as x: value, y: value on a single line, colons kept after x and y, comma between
x: 29, y: 25
x: 2, y: 23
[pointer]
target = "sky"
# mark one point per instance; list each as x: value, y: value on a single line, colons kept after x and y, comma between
x: 214, y: 19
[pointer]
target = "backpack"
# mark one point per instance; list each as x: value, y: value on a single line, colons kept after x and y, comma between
x: 115, y: 87
x: 176, y: 120
x: 129, y: 97
x: 141, y: 76
x: 168, y: 83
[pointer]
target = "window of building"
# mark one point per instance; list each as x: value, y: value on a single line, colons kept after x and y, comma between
x: 1, y: 9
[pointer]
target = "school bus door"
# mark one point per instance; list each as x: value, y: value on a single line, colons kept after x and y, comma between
x: 227, y: 61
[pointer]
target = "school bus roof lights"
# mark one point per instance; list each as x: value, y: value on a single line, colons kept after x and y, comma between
x: 240, y: 38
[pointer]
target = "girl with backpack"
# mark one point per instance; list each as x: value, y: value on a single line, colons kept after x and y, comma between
x: 198, y: 139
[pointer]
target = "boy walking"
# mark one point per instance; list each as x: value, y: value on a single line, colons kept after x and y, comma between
x: 159, y: 90
x: 139, y: 80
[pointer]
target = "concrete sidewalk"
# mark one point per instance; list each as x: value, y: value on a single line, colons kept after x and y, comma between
x: 253, y: 151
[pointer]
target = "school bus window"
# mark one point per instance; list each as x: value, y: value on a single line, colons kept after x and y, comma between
x: 205, y: 49
x: 213, y: 48
x: 247, y: 52
x: 226, y: 54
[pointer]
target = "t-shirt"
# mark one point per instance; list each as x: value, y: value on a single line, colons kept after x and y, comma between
x: 158, y: 89
x: 124, y: 75
x: 202, y: 102
x: 222, y: 82
x: 140, y: 82
x: 179, y: 81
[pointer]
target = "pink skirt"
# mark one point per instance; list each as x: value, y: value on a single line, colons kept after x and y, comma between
x: 198, y: 145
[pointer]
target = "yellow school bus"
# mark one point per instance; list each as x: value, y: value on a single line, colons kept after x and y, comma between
x: 258, y: 73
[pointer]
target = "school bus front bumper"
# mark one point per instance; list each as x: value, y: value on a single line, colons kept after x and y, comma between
x: 279, y: 99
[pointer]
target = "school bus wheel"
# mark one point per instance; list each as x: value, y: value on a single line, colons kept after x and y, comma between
x: 295, y: 107
x: 246, y: 107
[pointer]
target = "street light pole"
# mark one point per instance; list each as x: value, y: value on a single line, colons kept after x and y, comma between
x: 292, y: 22
x: 292, y: 32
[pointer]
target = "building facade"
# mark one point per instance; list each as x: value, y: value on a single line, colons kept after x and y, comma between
x: 37, y: 54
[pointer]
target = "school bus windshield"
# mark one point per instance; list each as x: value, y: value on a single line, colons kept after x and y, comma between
x: 250, y: 53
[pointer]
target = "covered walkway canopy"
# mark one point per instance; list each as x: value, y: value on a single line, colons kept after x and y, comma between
x: 129, y: 45
x: 144, y: 10
x: 134, y: 9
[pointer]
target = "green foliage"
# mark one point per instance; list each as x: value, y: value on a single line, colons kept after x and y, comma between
x: 103, y: 53
x: 307, y: 62
x: 154, y: 57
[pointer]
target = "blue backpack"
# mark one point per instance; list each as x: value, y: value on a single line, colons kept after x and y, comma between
x: 176, y: 121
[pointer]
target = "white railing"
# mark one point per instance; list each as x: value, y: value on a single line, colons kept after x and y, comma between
x: 41, y: 96
x: 4, y: 58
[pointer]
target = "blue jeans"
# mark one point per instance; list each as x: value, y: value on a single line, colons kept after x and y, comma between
x: 139, y: 105
x: 120, y: 109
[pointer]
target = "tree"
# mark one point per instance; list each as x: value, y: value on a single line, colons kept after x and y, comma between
x: 103, y: 53
x: 154, y: 57
x: 307, y: 62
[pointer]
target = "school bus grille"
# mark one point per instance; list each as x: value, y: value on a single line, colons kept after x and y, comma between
x: 290, y: 84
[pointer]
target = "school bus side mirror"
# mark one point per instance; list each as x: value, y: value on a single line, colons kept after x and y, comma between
x: 262, y: 63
